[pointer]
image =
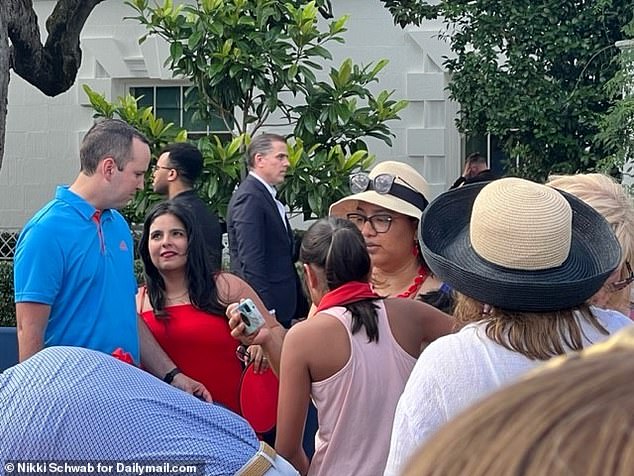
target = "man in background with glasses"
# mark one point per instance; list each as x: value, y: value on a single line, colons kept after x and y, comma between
x: 178, y: 167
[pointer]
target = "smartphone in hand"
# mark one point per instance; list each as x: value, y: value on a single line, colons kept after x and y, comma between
x: 250, y: 315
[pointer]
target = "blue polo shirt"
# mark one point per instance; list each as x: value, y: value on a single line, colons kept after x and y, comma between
x: 82, y: 266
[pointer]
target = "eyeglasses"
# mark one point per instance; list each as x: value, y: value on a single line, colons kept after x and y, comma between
x: 386, y: 184
x: 157, y: 167
x: 623, y: 283
x: 243, y: 354
x: 380, y: 223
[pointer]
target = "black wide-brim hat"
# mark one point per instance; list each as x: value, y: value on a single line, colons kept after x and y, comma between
x: 517, y: 218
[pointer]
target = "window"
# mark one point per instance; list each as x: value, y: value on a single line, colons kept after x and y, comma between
x: 168, y: 103
x: 488, y: 146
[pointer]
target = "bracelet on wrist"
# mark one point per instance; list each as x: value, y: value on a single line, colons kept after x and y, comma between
x: 169, y: 376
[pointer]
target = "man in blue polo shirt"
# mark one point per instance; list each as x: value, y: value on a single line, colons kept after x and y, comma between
x: 73, y: 265
x: 67, y: 405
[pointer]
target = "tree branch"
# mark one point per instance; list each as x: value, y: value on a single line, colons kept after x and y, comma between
x: 52, y: 68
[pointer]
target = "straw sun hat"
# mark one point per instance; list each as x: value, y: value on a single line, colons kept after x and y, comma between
x: 518, y: 245
x: 406, y: 196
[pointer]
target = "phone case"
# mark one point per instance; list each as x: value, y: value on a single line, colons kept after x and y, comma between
x: 250, y: 315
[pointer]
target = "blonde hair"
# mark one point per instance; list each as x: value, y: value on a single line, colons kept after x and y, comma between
x: 610, y: 199
x: 576, y: 419
x: 536, y: 335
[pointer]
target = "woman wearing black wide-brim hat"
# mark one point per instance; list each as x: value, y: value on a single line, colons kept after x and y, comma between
x: 524, y: 259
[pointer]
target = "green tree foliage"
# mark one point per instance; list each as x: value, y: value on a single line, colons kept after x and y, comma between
x: 253, y: 61
x: 617, y: 127
x: 531, y: 72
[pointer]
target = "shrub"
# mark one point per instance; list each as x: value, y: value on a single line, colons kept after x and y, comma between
x: 7, y: 307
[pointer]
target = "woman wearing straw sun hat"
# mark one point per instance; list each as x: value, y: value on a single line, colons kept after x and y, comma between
x: 524, y: 260
x: 386, y: 206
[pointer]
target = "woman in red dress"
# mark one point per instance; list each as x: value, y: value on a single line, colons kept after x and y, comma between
x: 184, y: 301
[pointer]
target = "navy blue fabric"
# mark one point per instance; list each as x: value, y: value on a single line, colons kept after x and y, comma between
x: 208, y: 222
x: 261, y: 248
x: 8, y: 347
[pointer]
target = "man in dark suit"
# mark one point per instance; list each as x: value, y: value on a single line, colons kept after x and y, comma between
x: 178, y: 167
x: 261, y: 242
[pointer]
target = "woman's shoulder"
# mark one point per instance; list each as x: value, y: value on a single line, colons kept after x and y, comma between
x: 414, y: 307
x: 309, y: 335
x: 142, y: 300
x: 323, y: 320
x: 402, y: 303
x: 469, y: 344
x: 611, y: 319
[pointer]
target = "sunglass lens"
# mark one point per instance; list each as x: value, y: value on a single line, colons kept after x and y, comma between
x: 359, y: 182
x: 383, y: 183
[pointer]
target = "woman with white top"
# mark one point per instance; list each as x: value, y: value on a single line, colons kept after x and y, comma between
x: 524, y: 259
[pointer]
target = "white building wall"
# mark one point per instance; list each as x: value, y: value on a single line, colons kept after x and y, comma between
x: 43, y: 134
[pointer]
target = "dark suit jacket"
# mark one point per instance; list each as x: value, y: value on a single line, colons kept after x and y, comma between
x: 209, y: 224
x: 484, y: 176
x: 261, y: 248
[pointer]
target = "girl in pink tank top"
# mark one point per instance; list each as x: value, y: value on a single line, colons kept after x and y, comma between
x: 353, y: 357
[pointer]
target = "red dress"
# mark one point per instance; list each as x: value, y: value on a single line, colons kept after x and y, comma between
x: 200, y: 344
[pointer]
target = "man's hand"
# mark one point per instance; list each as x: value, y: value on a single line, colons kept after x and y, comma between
x: 192, y: 387
x: 467, y: 170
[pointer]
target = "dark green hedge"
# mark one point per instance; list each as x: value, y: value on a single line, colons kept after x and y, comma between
x: 7, y: 308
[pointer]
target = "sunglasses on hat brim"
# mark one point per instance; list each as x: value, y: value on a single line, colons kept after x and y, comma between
x: 385, y: 184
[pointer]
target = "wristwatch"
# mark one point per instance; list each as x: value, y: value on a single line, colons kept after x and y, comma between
x: 169, y: 376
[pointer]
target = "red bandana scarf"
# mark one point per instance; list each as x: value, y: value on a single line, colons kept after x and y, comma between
x: 347, y: 293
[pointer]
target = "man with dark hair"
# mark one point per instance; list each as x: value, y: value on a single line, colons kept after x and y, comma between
x: 178, y: 167
x: 73, y: 266
x: 476, y: 169
x: 261, y: 240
